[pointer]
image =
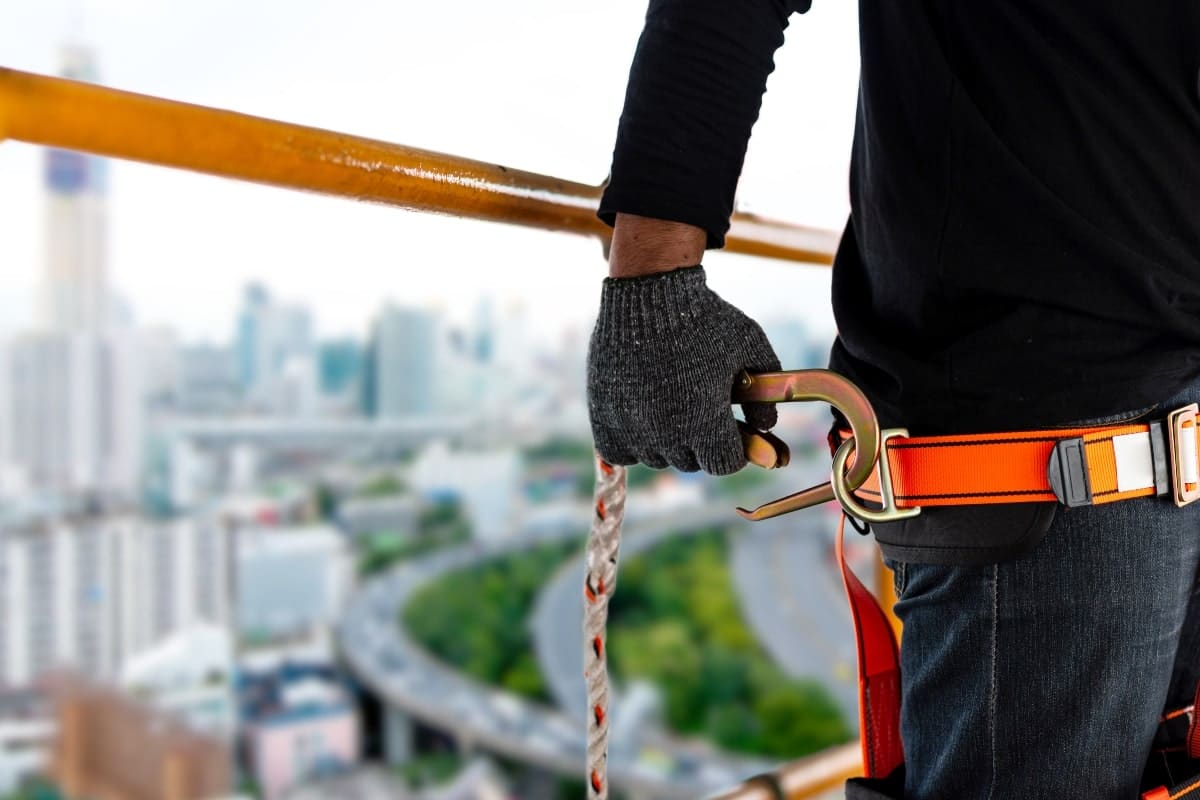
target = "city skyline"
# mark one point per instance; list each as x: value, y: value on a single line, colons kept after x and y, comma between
x: 183, y: 245
x: 240, y: 426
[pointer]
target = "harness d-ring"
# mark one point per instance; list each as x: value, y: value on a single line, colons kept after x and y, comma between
x: 825, y: 386
x: 844, y: 492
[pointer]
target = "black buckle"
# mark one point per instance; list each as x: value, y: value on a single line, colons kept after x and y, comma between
x: 1068, y: 474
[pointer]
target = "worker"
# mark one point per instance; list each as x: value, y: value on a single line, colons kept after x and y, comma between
x: 1022, y: 253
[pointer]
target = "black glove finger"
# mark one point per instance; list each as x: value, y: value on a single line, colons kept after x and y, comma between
x: 759, y: 356
x: 723, y: 453
x: 616, y: 455
x: 683, y: 459
x: 651, y: 459
x: 760, y: 416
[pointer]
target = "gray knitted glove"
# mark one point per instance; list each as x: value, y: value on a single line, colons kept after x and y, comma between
x: 661, y: 367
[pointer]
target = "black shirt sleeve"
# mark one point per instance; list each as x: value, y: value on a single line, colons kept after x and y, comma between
x: 694, y: 92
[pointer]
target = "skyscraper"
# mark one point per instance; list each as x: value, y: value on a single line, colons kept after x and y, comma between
x: 75, y: 289
x: 401, y: 363
x: 276, y: 354
x: 71, y: 408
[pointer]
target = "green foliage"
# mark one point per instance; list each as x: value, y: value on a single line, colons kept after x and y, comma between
x: 431, y: 769
x: 476, y: 619
x: 744, y: 482
x: 440, y: 525
x: 579, y: 456
x: 571, y: 450
x: 675, y: 621
x: 385, y: 485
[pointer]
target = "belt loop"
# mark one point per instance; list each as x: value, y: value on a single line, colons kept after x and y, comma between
x: 1159, y: 455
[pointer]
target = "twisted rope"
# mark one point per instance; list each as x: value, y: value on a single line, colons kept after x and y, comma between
x: 600, y: 579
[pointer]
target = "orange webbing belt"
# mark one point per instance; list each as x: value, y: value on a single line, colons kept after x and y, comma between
x: 1001, y: 467
x: 878, y: 674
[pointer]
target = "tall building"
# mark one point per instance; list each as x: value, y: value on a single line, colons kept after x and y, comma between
x: 74, y: 411
x: 341, y: 365
x: 75, y: 288
x: 71, y: 402
x: 401, y: 371
x: 91, y: 591
x: 255, y: 300
x: 276, y: 354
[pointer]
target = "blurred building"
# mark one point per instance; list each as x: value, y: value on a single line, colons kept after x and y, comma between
x: 796, y: 345
x: 486, y: 482
x: 400, y: 377
x: 110, y: 745
x: 27, y: 729
x: 398, y: 513
x: 72, y: 406
x: 299, y: 723
x: 73, y: 411
x: 255, y: 300
x: 89, y: 591
x: 340, y: 366
x: 292, y: 582
x: 363, y: 783
x: 276, y: 354
x: 160, y: 352
x: 208, y: 380
x: 189, y: 675
x: 75, y: 288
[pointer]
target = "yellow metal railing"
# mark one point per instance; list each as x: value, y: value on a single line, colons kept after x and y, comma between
x: 78, y: 116
x: 95, y: 119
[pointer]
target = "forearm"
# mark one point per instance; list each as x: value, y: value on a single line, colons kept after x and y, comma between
x: 693, y: 96
x: 643, y: 246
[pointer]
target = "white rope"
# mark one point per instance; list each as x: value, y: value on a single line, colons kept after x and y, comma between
x: 599, y: 581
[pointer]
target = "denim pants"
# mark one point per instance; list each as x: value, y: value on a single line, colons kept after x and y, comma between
x: 1045, y: 676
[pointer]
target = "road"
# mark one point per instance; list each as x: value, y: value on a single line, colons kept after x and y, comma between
x: 789, y: 589
x: 558, y: 611
x: 791, y: 594
x: 385, y: 659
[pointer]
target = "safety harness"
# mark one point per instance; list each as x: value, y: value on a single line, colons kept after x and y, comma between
x: 881, y: 476
x: 1072, y: 466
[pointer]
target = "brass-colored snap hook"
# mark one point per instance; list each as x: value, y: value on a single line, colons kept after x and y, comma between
x: 801, y: 386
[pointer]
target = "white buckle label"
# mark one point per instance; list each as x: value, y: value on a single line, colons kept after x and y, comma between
x: 1135, y: 462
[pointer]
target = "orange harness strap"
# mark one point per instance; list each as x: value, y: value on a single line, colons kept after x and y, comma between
x: 878, y: 674
x: 1074, y: 466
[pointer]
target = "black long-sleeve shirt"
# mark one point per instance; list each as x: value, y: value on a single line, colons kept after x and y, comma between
x: 1023, y: 246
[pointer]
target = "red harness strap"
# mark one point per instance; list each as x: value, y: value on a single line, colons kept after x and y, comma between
x: 878, y: 674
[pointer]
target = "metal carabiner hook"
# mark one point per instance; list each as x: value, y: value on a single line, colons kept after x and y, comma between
x: 804, y: 385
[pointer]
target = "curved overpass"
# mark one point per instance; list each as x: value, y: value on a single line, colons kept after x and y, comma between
x: 383, y: 657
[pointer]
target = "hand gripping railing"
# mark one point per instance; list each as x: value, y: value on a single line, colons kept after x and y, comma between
x: 78, y: 116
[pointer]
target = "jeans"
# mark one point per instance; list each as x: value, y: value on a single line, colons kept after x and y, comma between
x: 1045, y: 676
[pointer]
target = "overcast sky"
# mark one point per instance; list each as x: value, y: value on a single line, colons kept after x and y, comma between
x: 532, y: 84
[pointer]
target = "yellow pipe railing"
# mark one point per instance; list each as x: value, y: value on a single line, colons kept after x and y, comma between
x: 804, y: 779
x: 78, y: 116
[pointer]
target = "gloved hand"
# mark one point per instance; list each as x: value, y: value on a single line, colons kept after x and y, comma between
x: 662, y: 363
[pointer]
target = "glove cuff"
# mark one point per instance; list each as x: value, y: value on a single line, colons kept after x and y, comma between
x: 653, y: 305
